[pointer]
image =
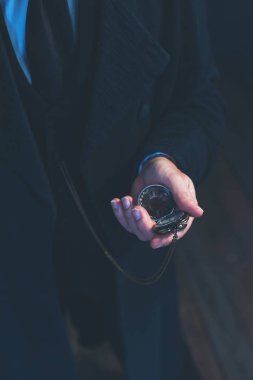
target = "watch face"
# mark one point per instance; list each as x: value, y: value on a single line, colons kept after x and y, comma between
x: 160, y: 205
x: 157, y: 200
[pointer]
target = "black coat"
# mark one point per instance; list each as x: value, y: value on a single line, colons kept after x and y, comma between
x: 153, y: 90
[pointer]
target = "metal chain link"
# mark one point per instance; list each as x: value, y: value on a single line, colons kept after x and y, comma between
x: 138, y: 280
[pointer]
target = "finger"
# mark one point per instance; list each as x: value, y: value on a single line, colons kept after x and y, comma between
x: 163, y: 240
x: 131, y: 225
x: 127, y: 204
x: 143, y: 222
x: 119, y: 213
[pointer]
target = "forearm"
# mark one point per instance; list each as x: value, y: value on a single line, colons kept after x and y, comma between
x: 190, y: 134
x: 187, y: 122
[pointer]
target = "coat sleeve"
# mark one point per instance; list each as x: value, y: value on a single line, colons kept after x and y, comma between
x: 188, y: 122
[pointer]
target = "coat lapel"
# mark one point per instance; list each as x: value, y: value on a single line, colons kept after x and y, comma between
x: 127, y: 62
x: 17, y: 145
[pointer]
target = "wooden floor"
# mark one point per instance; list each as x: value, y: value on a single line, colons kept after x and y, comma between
x: 215, y: 261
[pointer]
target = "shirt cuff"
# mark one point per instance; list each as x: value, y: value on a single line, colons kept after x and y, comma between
x: 157, y: 154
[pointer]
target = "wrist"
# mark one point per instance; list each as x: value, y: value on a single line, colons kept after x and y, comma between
x: 160, y: 159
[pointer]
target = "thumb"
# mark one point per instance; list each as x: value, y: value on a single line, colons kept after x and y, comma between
x: 184, y: 196
x: 188, y: 203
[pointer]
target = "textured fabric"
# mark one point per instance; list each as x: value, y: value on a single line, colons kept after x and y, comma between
x: 49, y: 350
x: 15, y: 17
x: 49, y: 34
x: 157, y: 154
x: 145, y: 55
x: 15, y: 13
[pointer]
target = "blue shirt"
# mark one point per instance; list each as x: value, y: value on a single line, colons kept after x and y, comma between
x: 15, y: 12
x: 15, y: 17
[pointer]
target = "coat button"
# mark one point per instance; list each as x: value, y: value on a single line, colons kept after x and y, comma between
x: 144, y: 111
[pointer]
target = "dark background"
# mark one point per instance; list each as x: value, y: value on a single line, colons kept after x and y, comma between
x: 231, y: 29
x: 230, y: 24
x: 215, y: 260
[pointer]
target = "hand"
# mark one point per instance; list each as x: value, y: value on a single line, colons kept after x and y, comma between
x: 136, y: 220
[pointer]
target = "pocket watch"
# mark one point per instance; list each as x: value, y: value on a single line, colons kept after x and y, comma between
x: 159, y: 203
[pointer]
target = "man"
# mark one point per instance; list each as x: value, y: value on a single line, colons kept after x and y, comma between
x: 125, y: 93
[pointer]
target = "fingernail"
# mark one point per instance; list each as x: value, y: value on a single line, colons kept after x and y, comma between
x: 201, y: 209
x: 136, y: 214
x: 126, y: 203
x: 156, y: 245
x: 114, y: 204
